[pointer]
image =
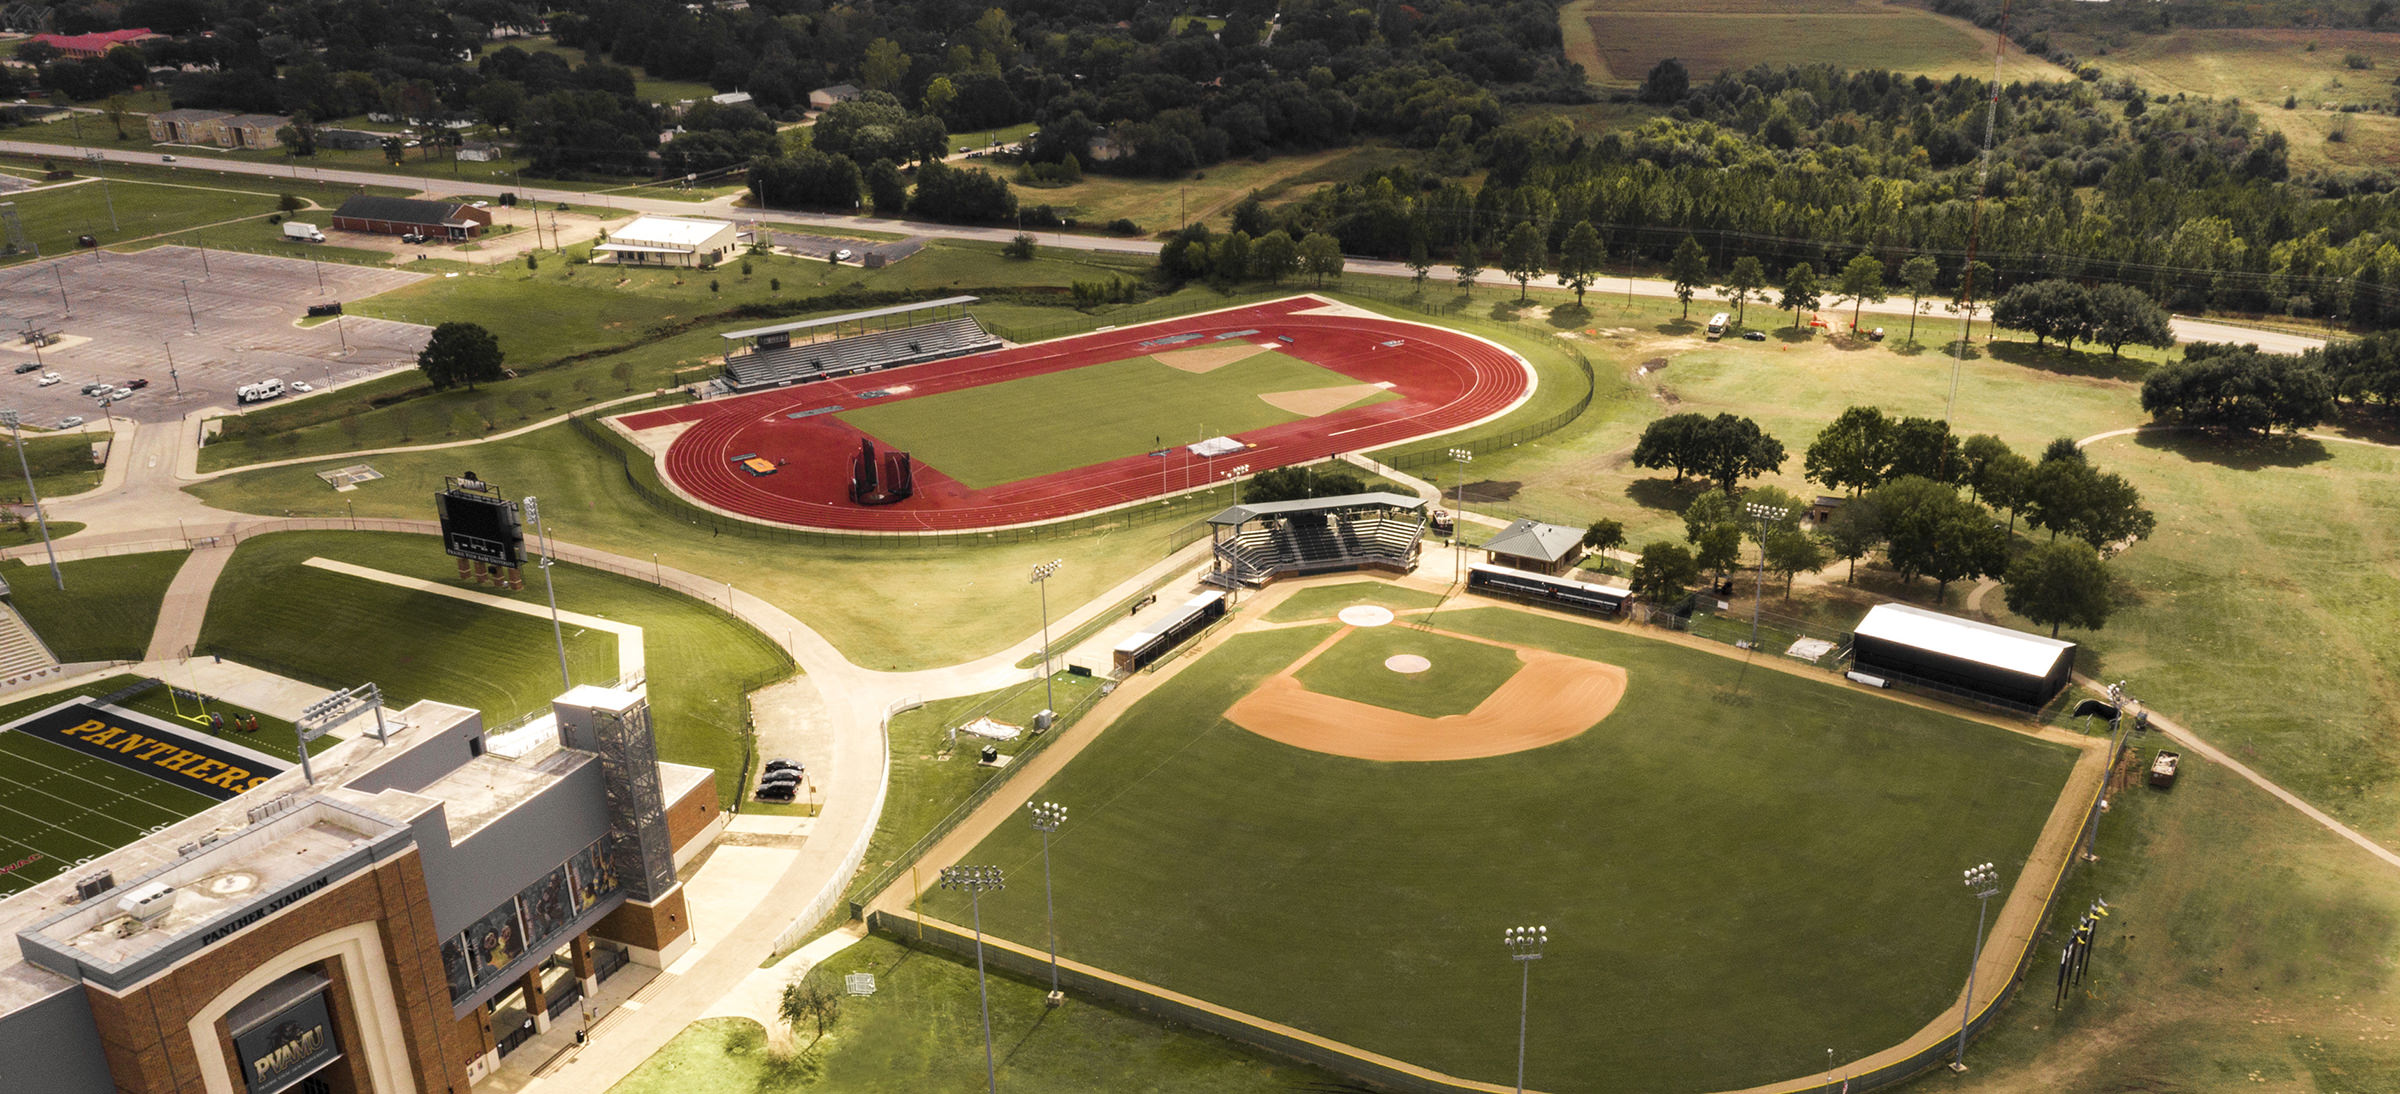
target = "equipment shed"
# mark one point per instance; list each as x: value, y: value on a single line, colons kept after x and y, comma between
x: 1981, y: 660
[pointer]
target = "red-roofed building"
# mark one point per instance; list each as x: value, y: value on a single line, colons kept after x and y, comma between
x: 95, y: 44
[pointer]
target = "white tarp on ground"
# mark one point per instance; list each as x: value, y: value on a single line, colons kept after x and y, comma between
x: 1215, y: 446
x: 985, y: 727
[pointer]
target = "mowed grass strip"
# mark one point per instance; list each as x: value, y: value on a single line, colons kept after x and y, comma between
x: 1326, y: 601
x: 107, y: 610
x: 1784, y: 865
x: 58, y: 806
x: 1059, y: 421
x: 1463, y: 675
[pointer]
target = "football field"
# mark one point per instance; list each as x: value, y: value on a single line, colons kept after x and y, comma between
x: 58, y: 807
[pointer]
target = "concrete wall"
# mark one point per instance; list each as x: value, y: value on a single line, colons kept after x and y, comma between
x: 425, y: 761
x: 53, y: 1047
x: 496, y: 863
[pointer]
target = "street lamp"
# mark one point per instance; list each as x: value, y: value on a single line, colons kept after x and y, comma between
x: 976, y: 881
x: 188, y: 310
x: 1524, y: 947
x: 1041, y: 576
x: 10, y: 419
x: 1765, y: 514
x: 1047, y: 816
x: 1983, y: 883
x: 1463, y: 457
x: 2117, y: 701
x: 533, y: 513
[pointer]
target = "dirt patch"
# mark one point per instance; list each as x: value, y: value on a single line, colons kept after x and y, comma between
x: 1487, y: 490
x: 1550, y: 699
x: 1655, y: 364
x: 1310, y: 402
x: 1208, y: 358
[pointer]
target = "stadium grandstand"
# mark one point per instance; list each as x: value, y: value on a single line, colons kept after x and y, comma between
x: 854, y: 342
x: 1257, y: 544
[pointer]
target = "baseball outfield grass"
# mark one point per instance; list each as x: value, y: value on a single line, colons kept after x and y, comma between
x: 1461, y: 673
x: 1733, y: 880
x: 1059, y: 421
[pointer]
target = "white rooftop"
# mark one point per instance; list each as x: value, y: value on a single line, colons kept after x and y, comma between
x: 1966, y: 639
x: 669, y: 231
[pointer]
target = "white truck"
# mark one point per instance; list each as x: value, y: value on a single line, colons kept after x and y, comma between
x: 258, y: 392
x: 302, y: 233
x: 1716, y: 325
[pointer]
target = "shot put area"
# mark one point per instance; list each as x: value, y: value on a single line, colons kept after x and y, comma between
x: 224, y: 319
x: 1318, y: 823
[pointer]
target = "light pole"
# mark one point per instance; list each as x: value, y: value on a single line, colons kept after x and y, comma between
x: 1047, y: 816
x: 2117, y: 701
x: 172, y: 376
x: 1041, y: 576
x: 1765, y: 515
x: 1524, y: 947
x: 9, y: 418
x: 1983, y: 883
x: 533, y: 513
x: 188, y: 310
x: 1458, y: 513
x: 976, y: 881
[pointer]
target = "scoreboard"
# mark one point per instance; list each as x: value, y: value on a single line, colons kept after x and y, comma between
x: 479, y: 524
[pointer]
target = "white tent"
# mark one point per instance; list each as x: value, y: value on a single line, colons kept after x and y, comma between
x: 985, y: 727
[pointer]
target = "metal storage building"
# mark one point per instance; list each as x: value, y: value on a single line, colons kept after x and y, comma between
x: 1979, y: 659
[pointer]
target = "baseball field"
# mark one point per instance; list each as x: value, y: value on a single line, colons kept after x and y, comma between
x: 1738, y: 870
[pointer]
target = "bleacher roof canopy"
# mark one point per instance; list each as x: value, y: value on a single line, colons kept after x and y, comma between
x: 850, y: 317
x: 1244, y: 514
x: 1534, y: 539
x: 1965, y: 639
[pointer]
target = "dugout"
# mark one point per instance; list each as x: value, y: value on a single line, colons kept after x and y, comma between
x: 1149, y: 644
x: 1556, y: 592
x: 1982, y: 661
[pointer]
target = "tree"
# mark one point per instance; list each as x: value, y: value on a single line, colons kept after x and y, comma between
x: 1664, y: 572
x: 1853, y: 531
x: 1862, y: 282
x: 1926, y: 448
x: 1792, y: 552
x: 1733, y: 449
x: 1273, y: 256
x: 1799, y: 291
x: 2097, y: 507
x: 1579, y: 258
x: 1718, y: 548
x: 1974, y: 287
x: 2122, y: 314
x: 2046, y: 309
x: 1852, y: 453
x: 2061, y: 582
x: 1470, y: 266
x: 1021, y: 248
x: 808, y: 1001
x: 1930, y: 530
x: 1604, y: 536
x: 886, y: 188
x: 118, y: 106
x: 1689, y: 269
x: 1420, y: 261
x: 1671, y: 442
x: 1747, y: 281
x: 1299, y: 481
x: 1668, y: 82
x: 883, y: 66
x: 1321, y: 257
x: 460, y: 353
x: 1919, y: 274
x: 1522, y: 256
x: 2239, y: 389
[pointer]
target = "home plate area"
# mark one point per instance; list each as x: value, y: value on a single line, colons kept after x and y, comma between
x: 1415, y: 694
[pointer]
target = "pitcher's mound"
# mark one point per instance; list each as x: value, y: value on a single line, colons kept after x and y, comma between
x: 1365, y: 615
x: 1406, y: 662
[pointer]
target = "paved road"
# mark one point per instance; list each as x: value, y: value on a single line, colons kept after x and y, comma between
x: 2189, y: 330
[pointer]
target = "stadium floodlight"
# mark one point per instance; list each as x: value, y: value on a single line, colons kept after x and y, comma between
x: 1765, y: 514
x: 1524, y: 947
x: 11, y: 419
x: 1983, y: 883
x: 1041, y: 576
x: 1047, y: 816
x: 533, y: 516
x: 1463, y: 457
x: 976, y: 881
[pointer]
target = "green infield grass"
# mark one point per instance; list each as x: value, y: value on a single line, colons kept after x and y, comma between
x: 1781, y: 860
x: 1059, y: 421
x: 108, y: 609
x: 1463, y: 674
x: 337, y: 631
x: 1325, y: 601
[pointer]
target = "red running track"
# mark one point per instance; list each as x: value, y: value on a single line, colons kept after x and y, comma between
x: 1445, y: 380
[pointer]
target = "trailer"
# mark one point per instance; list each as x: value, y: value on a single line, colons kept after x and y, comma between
x: 2162, y: 768
x: 298, y: 232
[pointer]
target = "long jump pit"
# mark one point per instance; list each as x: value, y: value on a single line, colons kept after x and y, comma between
x: 1550, y: 698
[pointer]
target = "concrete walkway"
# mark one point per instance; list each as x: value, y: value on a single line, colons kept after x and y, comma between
x: 186, y: 604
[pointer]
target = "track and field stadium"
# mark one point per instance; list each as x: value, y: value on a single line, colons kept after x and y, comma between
x: 1055, y: 429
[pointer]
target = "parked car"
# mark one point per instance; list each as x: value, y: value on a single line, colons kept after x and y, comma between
x: 783, y: 793
x: 1754, y: 336
x: 786, y: 776
x: 137, y: 383
x: 96, y: 387
x: 301, y: 386
x: 779, y: 764
x: 120, y: 393
x: 413, y: 237
x: 842, y: 255
x: 166, y: 159
x: 49, y: 378
x: 70, y: 421
x: 28, y: 367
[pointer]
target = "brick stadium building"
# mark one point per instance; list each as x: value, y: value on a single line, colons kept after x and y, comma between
x: 395, y: 926
x: 444, y: 220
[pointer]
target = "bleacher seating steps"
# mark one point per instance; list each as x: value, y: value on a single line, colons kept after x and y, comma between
x: 879, y: 349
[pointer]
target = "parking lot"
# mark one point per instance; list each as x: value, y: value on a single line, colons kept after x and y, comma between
x: 195, y: 325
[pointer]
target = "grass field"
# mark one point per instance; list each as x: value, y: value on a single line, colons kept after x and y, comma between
x: 2265, y: 66
x: 1703, y: 864
x: 108, y: 610
x: 1618, y: 41
x: 701, y: 664
x: 921, y: 1033
x: 1463, y: 673
x: 1205, y: 196
x: 1325, y: 601
x: 62, y: 464
x: 58, y: 806
x: 1004, y: 432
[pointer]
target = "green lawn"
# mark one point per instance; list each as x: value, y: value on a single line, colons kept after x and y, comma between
x: 1325, y: 601
x: 1702, y: 864
x: 336, y: 630
x: 1463, y: 673
x: 921, y: 1033
x: 62, y: 464
x: 31, y: 531
x: 108, y: 610
x: 1059, y: 421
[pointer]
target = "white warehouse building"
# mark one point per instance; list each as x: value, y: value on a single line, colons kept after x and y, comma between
x: 668, y: 241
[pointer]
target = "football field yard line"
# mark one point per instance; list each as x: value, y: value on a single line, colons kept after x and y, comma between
x: 102, y: 811
x: 81, y: 764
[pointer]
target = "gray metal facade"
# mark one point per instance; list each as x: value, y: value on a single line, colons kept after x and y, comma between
x: 53, y: 1046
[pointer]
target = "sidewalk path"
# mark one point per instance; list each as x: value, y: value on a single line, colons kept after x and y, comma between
x: 186, y: 604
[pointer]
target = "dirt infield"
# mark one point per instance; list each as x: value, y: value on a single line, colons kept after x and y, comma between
x: 1311, y: 402
x: 1550, y: 699
x: 1208, y: 358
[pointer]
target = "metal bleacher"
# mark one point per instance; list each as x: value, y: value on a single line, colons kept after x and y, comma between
x: 1256, y: 544
x: 779, y: 366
